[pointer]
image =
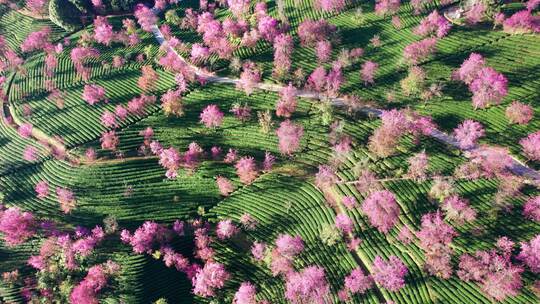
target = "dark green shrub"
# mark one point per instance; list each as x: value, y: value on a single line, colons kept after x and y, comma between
x: 65, y: 14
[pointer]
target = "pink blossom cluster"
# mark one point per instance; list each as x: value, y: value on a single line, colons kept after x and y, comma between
x: 416, y: 52
x: 145, y: 17
x: 487, y: 85
x: 66, y: 199
x: 171, y: 102
x: 226, y: 229
x: 149, y: 78
x: 225, y: 186
x: 246, y: 294
x: 87, y: 290
x: 310, y: 32
x: 344, y: 223
x: 433, y: 24
x: 79, y: 56
x: 457, y: 210
x: 530, y: 254
x: 357, y: 282
x: 109, y: 140
x: 246, y: 169
x: 287, y: 102
x: 241, y: 112
x: 389, y: 274
x: 42, y: 189
x: 16, y: 226
x: 418, y: 166
x: 367, y: 73
x: 170, y: 159
x: 93, y: 93
x: 283, y: 49
x: 330, y: 5
x: 211, y: 116
x: 307, y: 286
x: 382, y: 210
x: 249, y: 78
x: 289, y: 135
x: 531, y: 146
x: 531, y: 209
x: 435, y: 238
x: 211, y: 277
x: 103, y: 31
x: 468, y: 133
x: 386, y: 7
x: 498, y: 277
x: 519, y: 113
x: 326, y: 177
x: 38, y: 40
x: 522, y: 22
x: 146, y: 237
x: 25, y: 130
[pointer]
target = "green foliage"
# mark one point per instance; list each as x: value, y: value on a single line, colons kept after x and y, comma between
x: 83, y: 6
x: 65, y: 14
x: 123, y: 5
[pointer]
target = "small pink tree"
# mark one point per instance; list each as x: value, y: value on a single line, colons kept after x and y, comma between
x: 145, y: 17
x: 25, y: 130
x: 369, y: 68
x: 531, y: 209
x: 289, y: 135
x: 382, y: 210
x: 109, y: 140
x: 211, y: 116
x: 386, y: 7
x: 226, y: 229
x: 416, y: 52
x: 246, y: 169
x: 79, y: 56
x: 519, y: 113
x: 289, y: 246
x: 38, y: 40
x: 469, y: 69
x: 433, y: 25
x: 170, y: 160
x: 283, y: 48
x: 323, y: 50
x: 357, y: 282
x: 326, y: 177
x: 211, y: 277
x: 225, y: 186
x: 435, y: 238
x: 530, y: 254
x: 418, y: 166
x: 93, y: 93
x: 42, y: 189
x: 330, y: 5
x: 149, y: 78
x: 522, y: 22
x: 246, y: 294
x: 103, y: 31
x: 16, y: 226
x: 307, y: 286
x: 249, y: 78
x: 344, y: 223
x: 458, y: 210
x: 531, y: 146
x: 468, y: 133
x: 488, y: 88
x: 389, y: 274
x: 66, y: 199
